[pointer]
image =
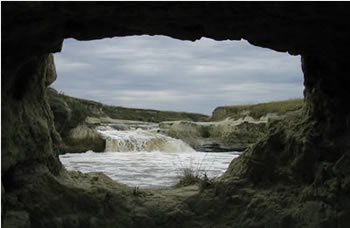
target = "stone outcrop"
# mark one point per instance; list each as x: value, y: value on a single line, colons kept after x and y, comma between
x: 227, y: 135
x: 51, y: 74
x: 77, y: 135
x: 257, y: 111
x: 296, y: 176
x: 83, y: 138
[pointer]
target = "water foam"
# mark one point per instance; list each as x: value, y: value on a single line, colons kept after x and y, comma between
x: 141, y: 140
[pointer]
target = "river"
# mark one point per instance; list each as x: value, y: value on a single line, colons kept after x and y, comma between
x: 141, y: 156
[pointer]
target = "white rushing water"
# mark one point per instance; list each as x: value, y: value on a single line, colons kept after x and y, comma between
x: 138, y: 139
x: 145, y: 158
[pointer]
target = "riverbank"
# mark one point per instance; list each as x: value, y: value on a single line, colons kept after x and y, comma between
x: 76, y: 121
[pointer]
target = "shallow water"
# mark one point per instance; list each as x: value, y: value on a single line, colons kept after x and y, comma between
x: 148, y: 169
x: 155, y: 161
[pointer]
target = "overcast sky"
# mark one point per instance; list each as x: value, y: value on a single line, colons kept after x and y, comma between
x: 162, y: 73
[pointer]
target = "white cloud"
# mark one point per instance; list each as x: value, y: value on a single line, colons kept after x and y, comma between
x: 65, y: 65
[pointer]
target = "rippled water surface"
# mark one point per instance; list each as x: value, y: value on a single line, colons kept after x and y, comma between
x: 148, y: 169
x: 154, y: 161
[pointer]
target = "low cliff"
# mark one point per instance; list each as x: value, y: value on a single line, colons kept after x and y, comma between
x: 257, y: 110
x: 95, y: 109
x: 233, y: 128
x: 69, y: 119
x: 226, y: 135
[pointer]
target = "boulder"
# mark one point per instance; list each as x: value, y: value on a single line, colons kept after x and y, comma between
x: 82, y: 139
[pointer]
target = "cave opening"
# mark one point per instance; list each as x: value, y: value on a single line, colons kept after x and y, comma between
x: 144, y: 74
x: 297, y: 176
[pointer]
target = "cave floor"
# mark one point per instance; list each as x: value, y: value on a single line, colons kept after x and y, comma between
x: 74, y: 199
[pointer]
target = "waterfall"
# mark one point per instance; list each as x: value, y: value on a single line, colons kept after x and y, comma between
x: 141, y: 140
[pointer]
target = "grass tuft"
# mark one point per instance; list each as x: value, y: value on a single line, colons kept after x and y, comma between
x: 189, y: 177
x: 136, y: 191
x: 193, y: 177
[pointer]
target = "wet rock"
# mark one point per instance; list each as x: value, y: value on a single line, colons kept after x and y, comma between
x: 119, y: 127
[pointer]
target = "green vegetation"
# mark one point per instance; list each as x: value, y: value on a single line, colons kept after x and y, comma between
x: 257, y: 110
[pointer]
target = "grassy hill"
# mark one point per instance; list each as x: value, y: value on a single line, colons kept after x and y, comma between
x: 257, y: 110
x: 81, y: 108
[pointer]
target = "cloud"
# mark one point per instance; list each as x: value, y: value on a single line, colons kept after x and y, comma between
x: 168, y: 74
x: 67, y: 65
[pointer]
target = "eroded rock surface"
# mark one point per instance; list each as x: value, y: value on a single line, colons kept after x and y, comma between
x: 297, y: 176
x: 227, y: 135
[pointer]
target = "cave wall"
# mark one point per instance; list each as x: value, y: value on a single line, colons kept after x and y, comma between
x: 27, y: 133
x: 299, y: 28
x: 32, y: 30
